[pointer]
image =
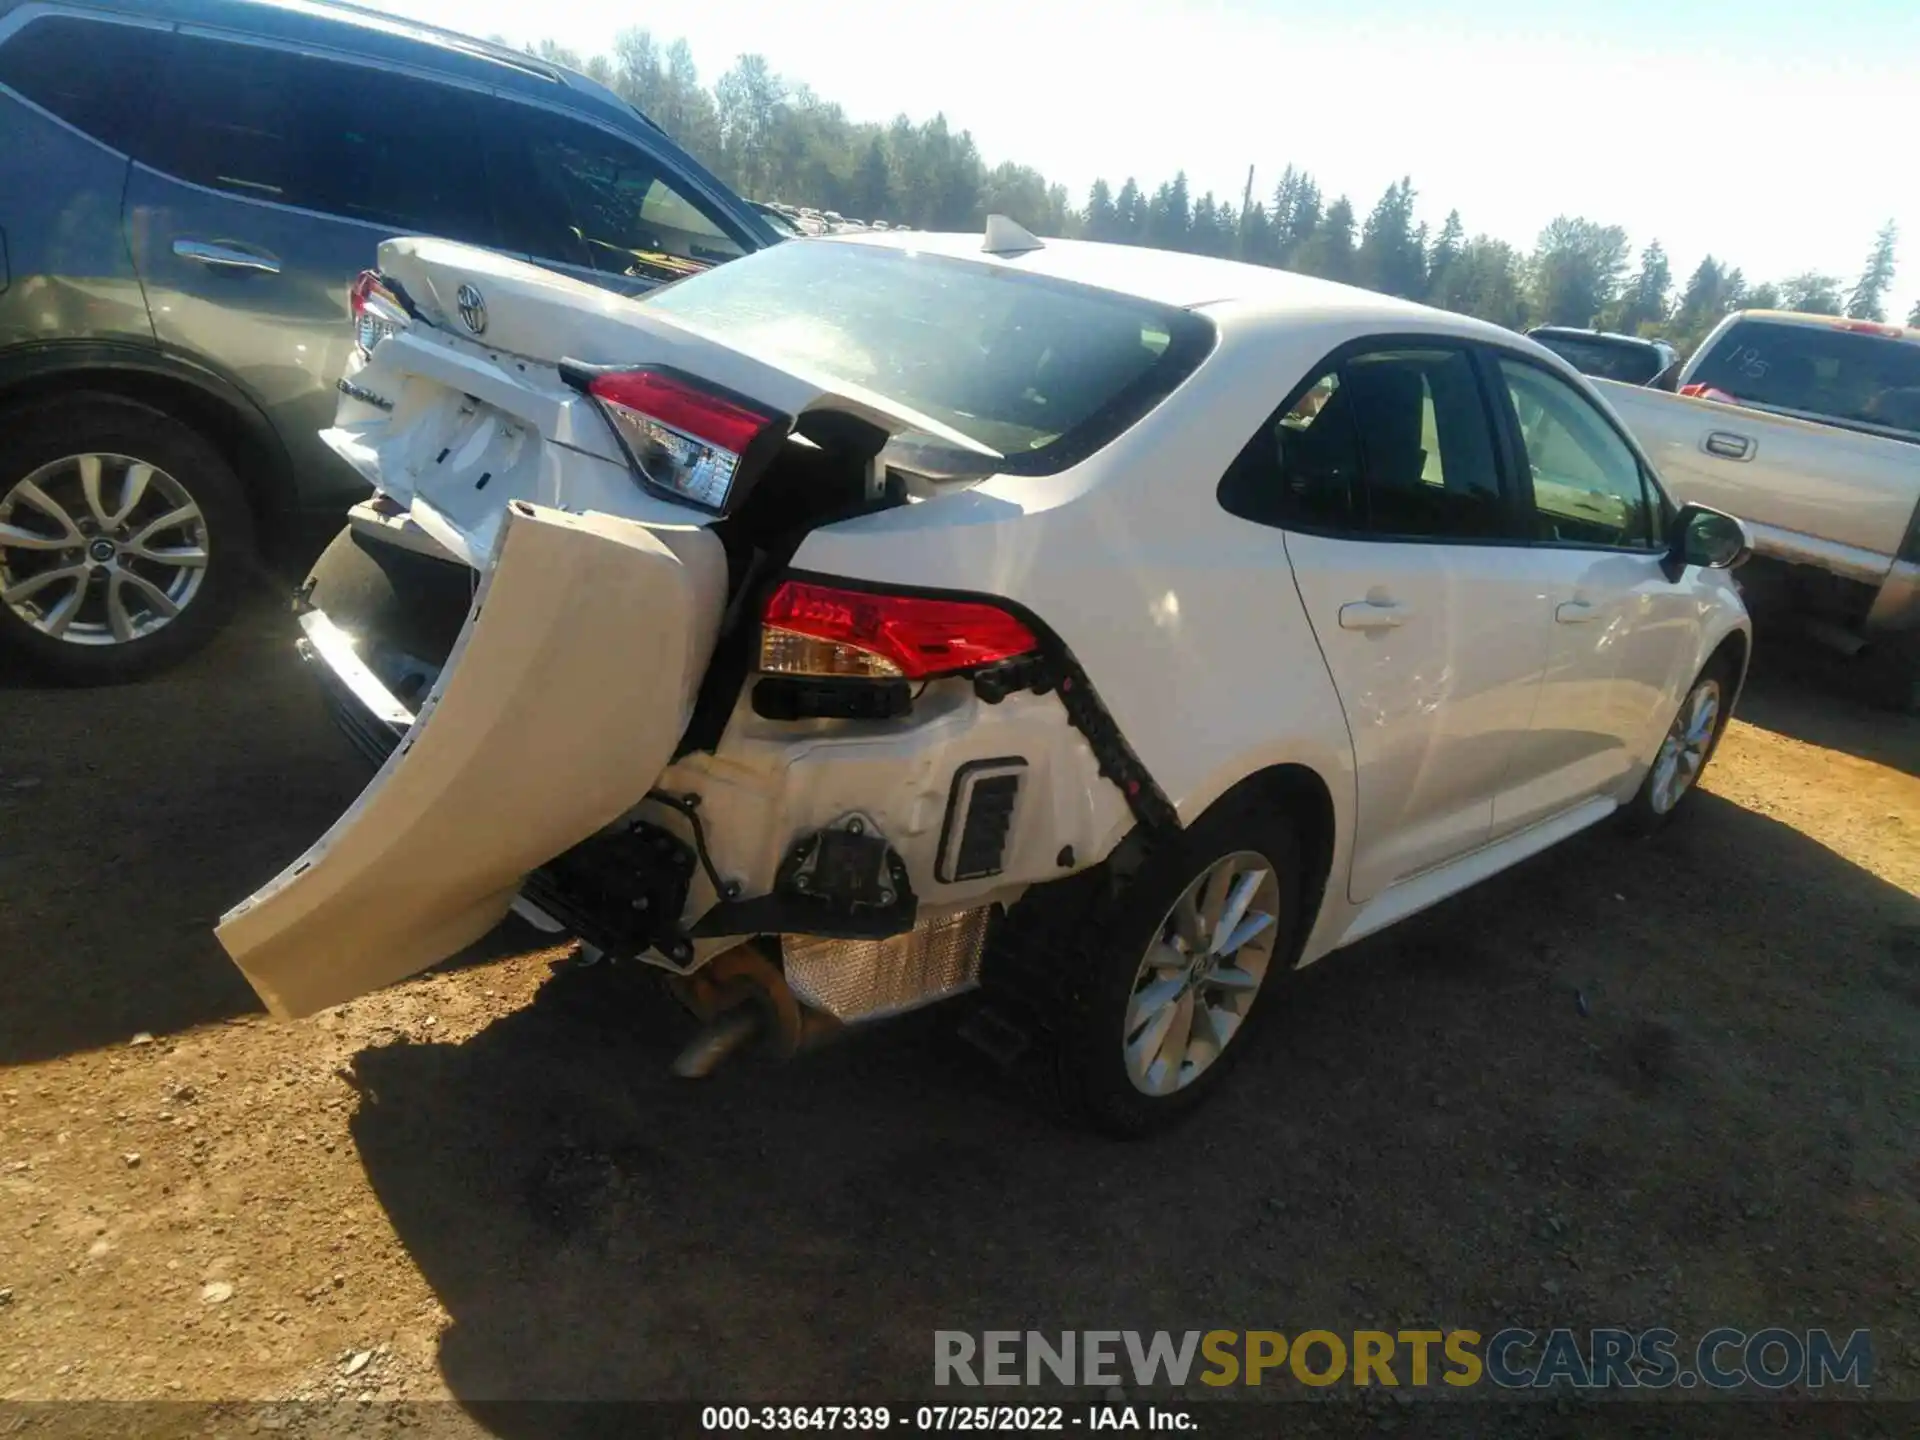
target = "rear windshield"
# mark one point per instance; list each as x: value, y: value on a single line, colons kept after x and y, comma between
x: 1043, y: 372
x: 1620, y: 360
x: 1842, y: 374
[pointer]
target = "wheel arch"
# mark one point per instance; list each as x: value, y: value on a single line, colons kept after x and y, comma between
x: 1303, y: 794
x: 211, y: 405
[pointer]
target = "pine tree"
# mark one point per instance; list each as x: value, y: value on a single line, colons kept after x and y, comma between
x: 1328, y: 250
x: 872, y: 186
x: 1868, y: 299
x: 1913, y: 315
x: 1102, y: 221
x: 1443, y: 259
x: 1390, y: 258
x: 1644, y: 303
x: 1130, y: 214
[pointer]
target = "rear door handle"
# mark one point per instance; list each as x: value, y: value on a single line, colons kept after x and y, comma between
x: 1729, y: 446
x: 216, y: 256
x: 1575, y: 612
x: 1371, y: 615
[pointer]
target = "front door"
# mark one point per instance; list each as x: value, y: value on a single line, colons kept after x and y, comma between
x: 1396, y: 519
x: 1621, y: 629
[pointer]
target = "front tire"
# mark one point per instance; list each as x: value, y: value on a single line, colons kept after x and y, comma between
x: 1170, y: 978
x: 125, y: 538
x: 1689, y: 744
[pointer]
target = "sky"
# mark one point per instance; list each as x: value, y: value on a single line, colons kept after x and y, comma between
x: 1777, y: 137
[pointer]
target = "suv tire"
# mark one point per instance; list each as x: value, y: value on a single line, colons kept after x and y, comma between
x: 87, y: 484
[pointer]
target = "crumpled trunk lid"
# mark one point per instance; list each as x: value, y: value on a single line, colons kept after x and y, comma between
x: 564, y: 697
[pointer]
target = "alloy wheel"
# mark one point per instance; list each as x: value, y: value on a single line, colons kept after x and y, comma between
x: 1683, y: 753
x: 100, y: 549
x: 1201, y: 974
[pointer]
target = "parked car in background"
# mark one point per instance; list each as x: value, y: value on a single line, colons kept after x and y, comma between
x: 187, y: 190
x: 879, y: 616
x: 1808, y: 427
x: 1630, y: 359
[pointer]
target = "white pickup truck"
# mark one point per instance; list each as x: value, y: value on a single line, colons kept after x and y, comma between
x: 1808, y: 428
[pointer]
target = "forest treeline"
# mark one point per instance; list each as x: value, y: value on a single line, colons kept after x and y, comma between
x: 776, y: 140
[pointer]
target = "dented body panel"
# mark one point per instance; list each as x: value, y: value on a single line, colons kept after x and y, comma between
x: 524, y: 747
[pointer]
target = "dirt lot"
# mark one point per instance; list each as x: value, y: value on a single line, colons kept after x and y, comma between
x: 1669, y: 1083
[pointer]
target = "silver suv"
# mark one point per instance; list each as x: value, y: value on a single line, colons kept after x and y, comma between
x: 187, y: 190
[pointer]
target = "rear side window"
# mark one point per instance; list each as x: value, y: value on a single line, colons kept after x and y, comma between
x: 347, y: 140
x: 573, y: 192
x: 1849, y: 376
x: 93, y: 74
x: 1394, y: 443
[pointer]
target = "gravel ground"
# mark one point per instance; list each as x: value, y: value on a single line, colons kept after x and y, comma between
x: 1668, y: 1083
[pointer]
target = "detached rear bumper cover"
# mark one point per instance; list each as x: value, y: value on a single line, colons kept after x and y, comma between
x: 561, y: 703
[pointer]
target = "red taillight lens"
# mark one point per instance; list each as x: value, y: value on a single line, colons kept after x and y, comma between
x: 377, y: 311
x: 818, y: 630
x: 1708, y: 392
x: 682, y: 439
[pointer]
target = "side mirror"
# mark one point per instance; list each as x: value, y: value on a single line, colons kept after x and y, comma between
x: 1709, y: 538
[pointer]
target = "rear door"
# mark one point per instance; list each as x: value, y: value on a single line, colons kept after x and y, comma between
x: 598, y: 203
x: 1621, y: 630
x: 1384, y: 472
x: 264, y: 185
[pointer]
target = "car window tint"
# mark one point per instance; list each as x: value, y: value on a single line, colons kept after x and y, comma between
x: 91, y: 73
x: 1394, y: 444
x: 1587, y: 485
x: 348, y: 140
x: 576, y: 193
x: 1816, y: 370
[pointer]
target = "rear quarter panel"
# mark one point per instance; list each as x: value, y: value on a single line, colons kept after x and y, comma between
x: 1184, y: 617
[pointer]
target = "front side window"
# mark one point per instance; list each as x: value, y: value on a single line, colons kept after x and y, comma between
x: 1394, y: 444
x: 347, y: 140
x: 93, y: 74
x: 1587, y: 484
x: 572, y: 192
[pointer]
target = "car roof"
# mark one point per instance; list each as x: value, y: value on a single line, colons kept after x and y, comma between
x: 378, y: 35
x: 1578, y: 332
x: 1190, y: 282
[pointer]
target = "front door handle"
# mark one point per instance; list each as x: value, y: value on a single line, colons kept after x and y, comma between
x: 216, y: 256
x: 1371, y: 615
x: 1729, y: 446
x: 1575, y: 612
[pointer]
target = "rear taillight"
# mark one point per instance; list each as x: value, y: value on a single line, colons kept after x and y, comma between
x: 377, y: 311
x: 809, y: 629
x: 681, y: 438
x: 1708, y: 392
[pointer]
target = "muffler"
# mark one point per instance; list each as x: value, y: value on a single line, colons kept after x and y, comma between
x: 744, y: 1000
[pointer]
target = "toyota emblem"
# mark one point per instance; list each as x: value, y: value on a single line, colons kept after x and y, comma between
x: 473, y: 310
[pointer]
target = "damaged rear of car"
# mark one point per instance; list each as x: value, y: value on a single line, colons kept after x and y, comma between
x: 612, y: 675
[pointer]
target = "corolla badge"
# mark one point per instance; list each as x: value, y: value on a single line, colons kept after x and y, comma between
x: 473, y: 309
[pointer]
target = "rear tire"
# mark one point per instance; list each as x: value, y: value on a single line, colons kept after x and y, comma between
x: 1153, y: 992
x: 96, y: 587
x: 1685, y: 750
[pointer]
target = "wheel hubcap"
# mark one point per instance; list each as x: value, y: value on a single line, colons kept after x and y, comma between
x: 100, y: 549
x: 1684, y: 752
x: 1201, y: 974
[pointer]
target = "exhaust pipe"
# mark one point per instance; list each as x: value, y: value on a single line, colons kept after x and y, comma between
x: 743, y: 998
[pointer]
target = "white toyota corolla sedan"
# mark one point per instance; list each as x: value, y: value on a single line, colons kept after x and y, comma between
x: 882, y: 617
